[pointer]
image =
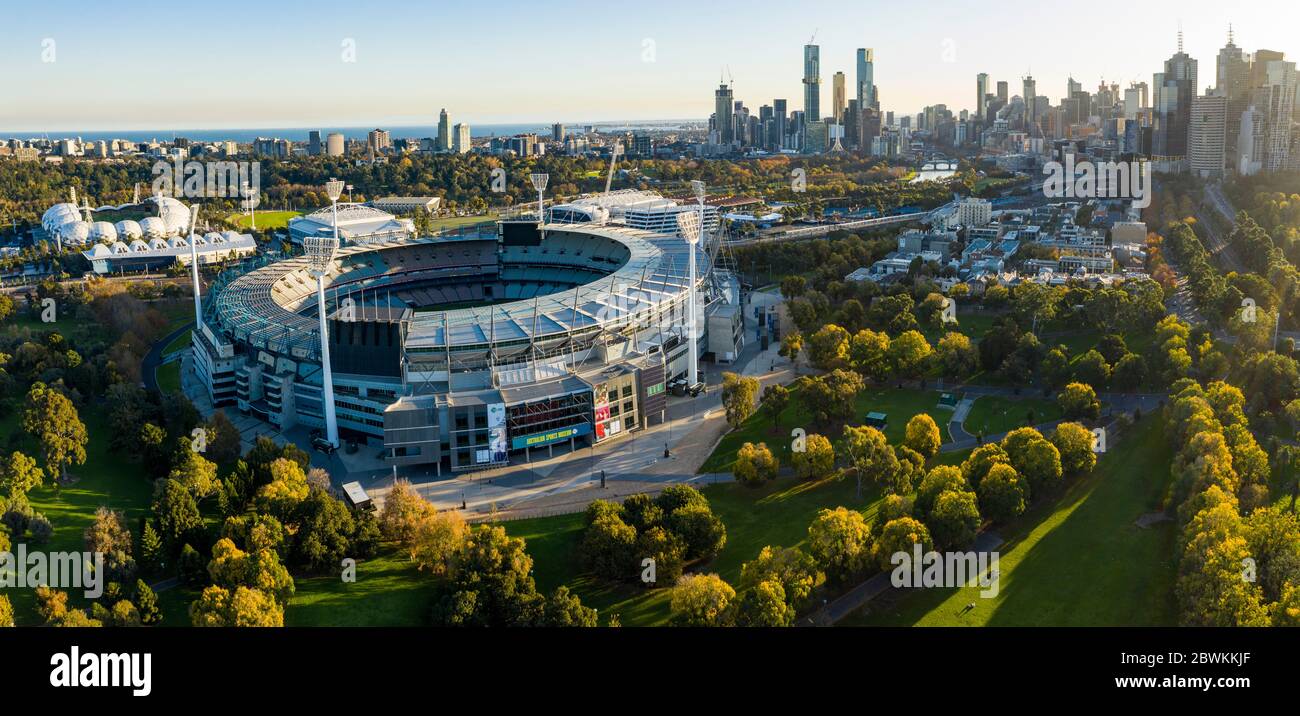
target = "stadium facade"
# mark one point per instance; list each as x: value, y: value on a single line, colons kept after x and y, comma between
x: 470, y: 350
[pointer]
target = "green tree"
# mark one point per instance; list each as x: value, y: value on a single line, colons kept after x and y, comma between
x: 563, y: 609
x: 20, y: 475
x: 1079, y: 400
x: 954, y: 520
x: 869, y: 354
x: 909, y: 354
x: 764, y: 605
x: 922, y: 435
x: 738, y: 395
x: 816, y: 461
x: 1092, y: 369
x: 899, y: 535
x: 940, y: 479
x: 828, y: 348
x: 702, y: 600
x: 872, y: 458
x: 1074, y: 443
x: 775, y: 399
x: 1001, y: 494
x: 53, y: 420
x: 957, y: 356
x: 839, y: 541
x: 755, y: 464
x: 177, y: 514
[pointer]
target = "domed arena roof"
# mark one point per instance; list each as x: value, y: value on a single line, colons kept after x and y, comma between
x: 129, y: 229
x: 103, y: 231
x: 153, y: 227
x: 174, y: 214
x: 58, y: 215
x: 75, y: 232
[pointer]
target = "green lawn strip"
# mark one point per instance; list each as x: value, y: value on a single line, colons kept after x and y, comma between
x: 993, y: 414
x: 1078, y: 560
x: 265, y: 219
x: 453, y: 222
x: 388, y: 591
x: 169, y: 377
x: 179, y: 342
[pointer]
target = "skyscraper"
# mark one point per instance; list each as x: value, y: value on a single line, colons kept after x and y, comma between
x: 1232, y: 79
x: 444, y: 132
x: 981, y: 89
x: 1172, y: 104
x: 1276, y: 98
x: 837, y: 97
x: 812, y: 83
x: 1003, y: 96
x: 557, y: 132
x: 313, y: 143
x: 867, y: 78
x: 460, y: 142
x: 1206, y: 136
x: 1030, y: 95
x: 780, y: 126
x: 722, y: 115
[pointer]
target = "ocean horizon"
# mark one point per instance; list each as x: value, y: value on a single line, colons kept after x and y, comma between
x: 300, y: 134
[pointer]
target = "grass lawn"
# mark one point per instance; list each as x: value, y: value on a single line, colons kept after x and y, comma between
x: 265, y: 219
x: 775, y: 514
x: 169, y: 377
x: 106, y: 479
x: 993, y: 414
x: 181, y: 341
x: 1078, y: 560
x: 899, y: 404
x: 388, y: 591
x: 453, y: 222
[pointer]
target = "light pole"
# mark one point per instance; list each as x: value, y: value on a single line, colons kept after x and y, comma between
x: 688, y: 225
x: 320, y: 252
x: 194, y: 270
x: 252, y: 205
x: 539, y: 183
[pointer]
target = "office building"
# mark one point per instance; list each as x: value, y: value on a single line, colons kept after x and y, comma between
x: 812, y: 83
x: 837, y: 97
x: 444, y: 132
x: 866, y: 85
x: 1206, y: 136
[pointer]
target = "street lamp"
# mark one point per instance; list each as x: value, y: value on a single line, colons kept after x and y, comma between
x: 688, y: 225
x: 320, y: 251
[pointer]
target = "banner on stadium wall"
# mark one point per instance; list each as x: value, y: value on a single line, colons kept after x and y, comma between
x: 554, y: 436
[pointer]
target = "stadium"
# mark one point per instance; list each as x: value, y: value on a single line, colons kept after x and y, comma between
x: 472, y: 349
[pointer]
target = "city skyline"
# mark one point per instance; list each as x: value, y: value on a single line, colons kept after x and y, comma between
x: 226, y: 83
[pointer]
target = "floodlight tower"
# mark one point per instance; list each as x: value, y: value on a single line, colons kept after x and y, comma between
x: 194, y: 269
x: 320, y: 252
x: 539, y: 183
x: 688, y: 225
x: 247, y: 191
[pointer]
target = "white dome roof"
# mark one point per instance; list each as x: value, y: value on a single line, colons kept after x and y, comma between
x: 153, y: 227
x: 158, y: 244
x: 75, y: 232
x: 138, y: 245
x: 231, y: 235
x: 120, y: 248
x: 103, y: 231
x: 175, y: 214
x: 100, y: 250
x: 213, y: 237
x: 129, y: 229
x: 58, y: 215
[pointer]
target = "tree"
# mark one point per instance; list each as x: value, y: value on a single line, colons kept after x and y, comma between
x: 608, y: 548
x: 702, y: 531
x: 828, y: 348
x: 775, y: 399
x: 1055, y: 368
x: 288, y: 488
x: 1079, y: 400
x: 245, y: 607
x: 146, y: 603
x: 900, y: 535
x: 1001, y: 494
x: 1092, y: 369
x: 791, y: 345
x: 872, y: 457
x: 563, y: 609
x: 869, y: 354
x: 53, y: 419
x: 816, y: 460
x: 793, y: 286
x: 151, y: 547
x: 666, y: 549
x: 790, y: 567
x: 6, y: 612
x: 403, y: 511
x: 922, y: 435
x: 20, y: 475
x: 492, y: 583
x: 232, y: 567
x: 908, y: 354
x: 178, y: 515
x: 437, y: 538
x: 764, y: 605
x: 1074, y: 442
x: 223, y: 439
x: 738, y: 394
x: 954, y: 520
x: 1131, y: 371
x: 193, y: 471
x: 755, y: 464
x: 957, y: 356
x: 702, y: 600
x: 839, y: 541
x: 325, y: 530
x: 981, y: 459
x: 940, y: 479
x: 108, y: 536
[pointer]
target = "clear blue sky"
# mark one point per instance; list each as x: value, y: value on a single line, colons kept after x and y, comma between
x: 240, y: 63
